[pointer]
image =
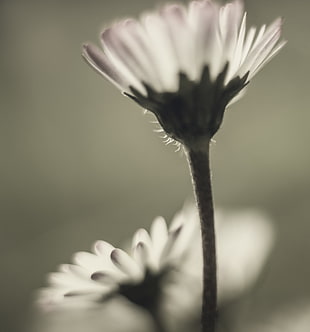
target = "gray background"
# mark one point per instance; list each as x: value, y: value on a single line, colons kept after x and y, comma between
x: 80, y: 162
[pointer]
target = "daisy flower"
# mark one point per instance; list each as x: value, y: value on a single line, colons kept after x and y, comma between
x: 168, y: 274
x: 136, y: 274
x: 185, y: 64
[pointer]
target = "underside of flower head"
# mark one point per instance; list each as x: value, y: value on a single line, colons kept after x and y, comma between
x: 206, y: 101
x: 185, y: 64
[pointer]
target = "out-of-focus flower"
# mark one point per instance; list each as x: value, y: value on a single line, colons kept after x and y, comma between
x: 108, y: 272
x: 185, y: 64
x: 163, y: 265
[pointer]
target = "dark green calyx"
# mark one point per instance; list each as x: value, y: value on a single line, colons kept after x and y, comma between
x: 194, y: 112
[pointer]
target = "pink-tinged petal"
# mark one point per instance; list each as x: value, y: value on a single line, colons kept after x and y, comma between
x: 235, y: 62
x: 163, y: 51
x: 135, y: 36
x: 204, y: 20
x: 119, y: 44
x: 230, y: 20
x: 265, y: 51
x: 182, y: 38
x: 267, y: 58
x: 265, y: 35
x: 203, y: 16
x: 273, y: 28
x: 148, y: 54
x: 263, y: 48
x: 121, y: 56
x: 249, y: 39
x: 260, y: 35
x: 101, y: 63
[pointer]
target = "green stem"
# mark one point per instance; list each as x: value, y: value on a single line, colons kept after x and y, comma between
x: 200, y: 170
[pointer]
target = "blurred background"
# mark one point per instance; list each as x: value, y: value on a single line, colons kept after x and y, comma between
x: 80, y: 162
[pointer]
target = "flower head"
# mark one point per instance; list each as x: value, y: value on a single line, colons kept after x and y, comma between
x: 141, y: 272
x: 162, y: 267
x: 135, y: 274
x: 185, y: 64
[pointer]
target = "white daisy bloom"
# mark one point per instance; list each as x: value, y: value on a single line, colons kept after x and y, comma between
x: 135, y: 274
x: 244, y: 241
x: 195, y: 59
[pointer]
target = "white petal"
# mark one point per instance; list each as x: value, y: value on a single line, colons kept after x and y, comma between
x: 182, y: 38
x: 188, y: 220
x: 266, y: 54
x: 236, y: 59
x: 100, y: 62
x: 248, y: 43
x: 208, y: 37
x: 199, y: 21
x: 126, y: 264
x: 120, y: 57
x: 141, y: 254
x: 143, y: 248
x: 259, y: 36
x: 75, y: 270
x: 71, y: 283
x: 89, y: 261
x: 120, y: 44
x: 103, y: 248
x: 265, y: 45
x: 163, y: 51
x: 274, y: 52
x: 108, y: 277
x: 136, y: 38
x: 230, y: 19
x: 172, y: 239
x: 141, y: 235
x: 159, y: 234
